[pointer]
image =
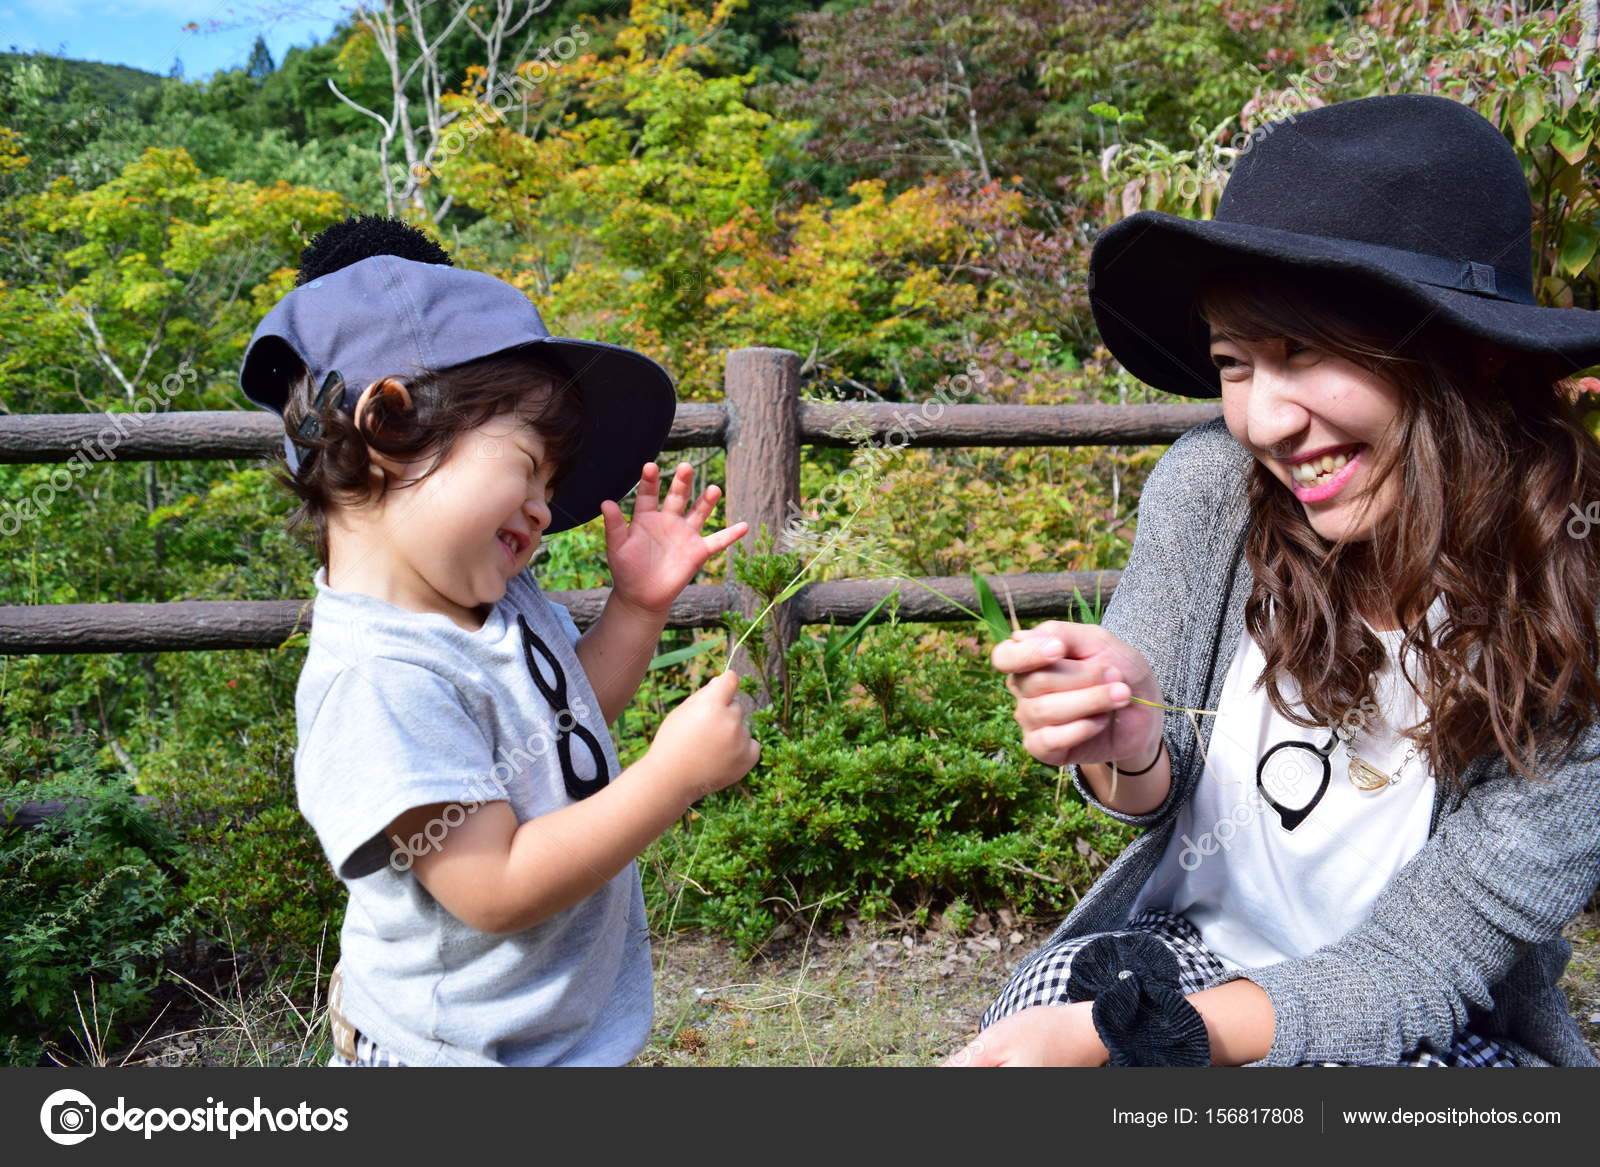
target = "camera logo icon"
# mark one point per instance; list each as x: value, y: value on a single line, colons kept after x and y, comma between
x: 68, y: 1117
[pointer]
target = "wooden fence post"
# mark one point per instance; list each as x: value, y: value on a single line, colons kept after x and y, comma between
x: 762, y: 391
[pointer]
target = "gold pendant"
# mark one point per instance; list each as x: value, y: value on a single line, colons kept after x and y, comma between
x: 1367, y: 777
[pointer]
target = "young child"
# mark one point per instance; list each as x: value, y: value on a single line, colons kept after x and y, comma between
x: 454, y: 755
x: 1365, y: 585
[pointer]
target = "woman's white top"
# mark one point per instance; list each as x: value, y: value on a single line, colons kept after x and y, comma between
x: 1258, y: 891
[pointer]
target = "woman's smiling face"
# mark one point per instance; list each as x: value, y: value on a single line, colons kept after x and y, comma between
x: 1314, y: 420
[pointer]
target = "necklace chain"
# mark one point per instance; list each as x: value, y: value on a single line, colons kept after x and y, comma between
x: 1363, y: 774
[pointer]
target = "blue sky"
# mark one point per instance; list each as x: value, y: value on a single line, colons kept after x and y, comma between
x: 148, y: 34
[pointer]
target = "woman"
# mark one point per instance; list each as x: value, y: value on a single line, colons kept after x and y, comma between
x: 1348, y: 678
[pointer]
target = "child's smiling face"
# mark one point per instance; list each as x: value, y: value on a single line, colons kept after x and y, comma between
x: 451, y: 542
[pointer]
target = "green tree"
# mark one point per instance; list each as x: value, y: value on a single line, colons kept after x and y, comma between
x: 1528, y: 74
x: 137, y: 277
x: 66, y: 125
x: 260, y: 64
x: 135, y: 296
x: 638, y: 192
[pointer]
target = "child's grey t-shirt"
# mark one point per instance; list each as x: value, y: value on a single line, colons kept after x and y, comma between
x: 397, y: 709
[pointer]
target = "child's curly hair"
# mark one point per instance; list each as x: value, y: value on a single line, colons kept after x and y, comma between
x: 336, y: 468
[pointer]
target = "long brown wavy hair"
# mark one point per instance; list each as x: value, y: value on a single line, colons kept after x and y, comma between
x: 444, y: 404
x: 1492, y: 457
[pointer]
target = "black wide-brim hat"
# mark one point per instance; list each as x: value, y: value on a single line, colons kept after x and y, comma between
x: 1414, y: 202
x: 388, y: 316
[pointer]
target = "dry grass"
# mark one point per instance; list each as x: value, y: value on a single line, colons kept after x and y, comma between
x: 255, y: 1013
x: 878, y: 995
x: 1581, y: 981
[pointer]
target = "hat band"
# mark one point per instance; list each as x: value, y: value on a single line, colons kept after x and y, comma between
x: 1462, y: 275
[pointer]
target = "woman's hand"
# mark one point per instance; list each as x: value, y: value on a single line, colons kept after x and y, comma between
x: 658, y: 553
x: 1074, y: 685
x: 1043, y: 1035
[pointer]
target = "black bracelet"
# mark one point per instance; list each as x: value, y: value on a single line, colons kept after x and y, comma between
x: 1151, y: 766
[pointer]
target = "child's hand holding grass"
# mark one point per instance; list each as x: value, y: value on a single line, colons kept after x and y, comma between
x: 704, y: 744
x: 654, y: 557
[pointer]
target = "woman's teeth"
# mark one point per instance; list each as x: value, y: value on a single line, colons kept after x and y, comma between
x: 1319, y: 469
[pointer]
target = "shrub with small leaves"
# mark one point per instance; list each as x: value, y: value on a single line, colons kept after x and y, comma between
x: 90, y: 901
x: 251, y: 854
x: 900, y: 786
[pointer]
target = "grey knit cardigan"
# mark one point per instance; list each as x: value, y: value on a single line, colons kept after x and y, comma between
x: 1468, y: 931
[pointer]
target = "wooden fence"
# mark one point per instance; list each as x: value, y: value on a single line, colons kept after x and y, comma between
x: 762, y: 422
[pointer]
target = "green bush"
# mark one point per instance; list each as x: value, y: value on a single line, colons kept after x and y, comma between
x: 898, y: 784
x: 90, y: 902
x: 251, y: 856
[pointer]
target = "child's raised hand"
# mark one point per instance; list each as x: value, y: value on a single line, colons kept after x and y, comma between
x: 654, y: 557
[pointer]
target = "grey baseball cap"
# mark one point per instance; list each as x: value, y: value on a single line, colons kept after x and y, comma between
x: 387, y: 316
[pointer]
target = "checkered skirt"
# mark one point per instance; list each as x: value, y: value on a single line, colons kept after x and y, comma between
x: 367, y: 1054
x: 1042, y: 980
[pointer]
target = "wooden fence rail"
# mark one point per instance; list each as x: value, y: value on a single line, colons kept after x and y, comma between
x: 198, y: 435
x: 762, y: 422
x: 192, y: 625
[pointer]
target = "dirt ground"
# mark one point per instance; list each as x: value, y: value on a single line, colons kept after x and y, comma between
x: 890, y: 996
x: 876, y: 995
x: 880, y: 994
x: 1582, y: 979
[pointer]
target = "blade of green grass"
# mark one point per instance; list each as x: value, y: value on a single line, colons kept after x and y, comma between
x: 989, y: 605
x: 856, y: 630
x: 678, y: 655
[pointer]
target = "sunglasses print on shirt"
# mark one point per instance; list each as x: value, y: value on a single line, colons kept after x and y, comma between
x: 567, y: 725
x: 1282, y: 770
